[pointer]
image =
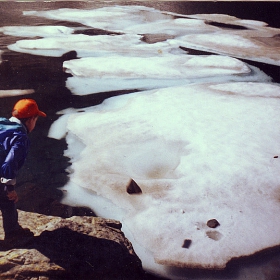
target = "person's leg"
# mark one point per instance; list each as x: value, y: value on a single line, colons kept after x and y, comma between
x: 14, y: 233
x: 9, y: 213
x: 10, y: 217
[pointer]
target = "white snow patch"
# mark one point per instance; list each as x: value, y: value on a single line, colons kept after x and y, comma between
x: 33, y: 31
x: 15, y: 92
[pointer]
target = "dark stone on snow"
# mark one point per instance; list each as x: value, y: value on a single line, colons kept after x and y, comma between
x: 213, y: 223
x: 133, y: 188
x: 187, y: 243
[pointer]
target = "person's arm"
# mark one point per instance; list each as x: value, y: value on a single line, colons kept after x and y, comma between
x: 14, y: 160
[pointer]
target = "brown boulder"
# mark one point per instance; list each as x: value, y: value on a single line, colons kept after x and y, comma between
x: 71, y: 248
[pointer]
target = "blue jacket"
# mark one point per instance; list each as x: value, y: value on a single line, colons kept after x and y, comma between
x: 14, y: 146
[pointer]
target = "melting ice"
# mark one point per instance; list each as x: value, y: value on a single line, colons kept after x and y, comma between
x: 200, y: 138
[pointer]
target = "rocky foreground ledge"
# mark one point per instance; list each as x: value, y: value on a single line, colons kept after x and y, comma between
x: 70, y: 248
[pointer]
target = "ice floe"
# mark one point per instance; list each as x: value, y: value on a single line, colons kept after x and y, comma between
x: 101, y: 74
x: 233, y: 45
x: 195, y: 31
x: 88, y: 46
x: 15, y: 92
x: 197, y: 152
x: 36, y: 31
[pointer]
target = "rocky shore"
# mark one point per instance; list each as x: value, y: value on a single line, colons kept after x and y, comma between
x: 72, y: 248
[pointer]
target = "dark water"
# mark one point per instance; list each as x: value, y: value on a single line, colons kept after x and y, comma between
x: 44, y: 171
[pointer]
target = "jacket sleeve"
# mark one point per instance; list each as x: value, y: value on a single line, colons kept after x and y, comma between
x: 19, y: 145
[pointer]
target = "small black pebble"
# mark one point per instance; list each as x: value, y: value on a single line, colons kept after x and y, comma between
x: 187, y: 243
x: 276, y: 157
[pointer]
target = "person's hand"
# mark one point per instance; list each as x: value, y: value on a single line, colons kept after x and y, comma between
x: 13, y: 196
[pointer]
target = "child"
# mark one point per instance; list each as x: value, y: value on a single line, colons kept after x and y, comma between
x: 14, y: 145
